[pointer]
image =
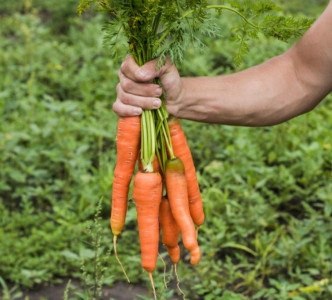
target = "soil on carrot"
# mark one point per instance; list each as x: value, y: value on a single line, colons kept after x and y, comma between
x: 120, y: 291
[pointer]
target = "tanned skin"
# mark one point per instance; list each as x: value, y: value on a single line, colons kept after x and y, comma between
x: 273, y: 92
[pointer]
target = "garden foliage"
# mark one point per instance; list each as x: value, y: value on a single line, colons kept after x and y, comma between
x: 267, y: 192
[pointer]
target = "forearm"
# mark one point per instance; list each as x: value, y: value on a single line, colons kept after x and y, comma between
x: 275, y: 91
x: 267, y: 94
x: 263, y: 95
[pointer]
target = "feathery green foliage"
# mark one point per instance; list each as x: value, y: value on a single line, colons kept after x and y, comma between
x: 159, y: 28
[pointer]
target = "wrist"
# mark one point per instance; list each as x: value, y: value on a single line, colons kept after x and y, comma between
x: 175, y: 95
x: 199, y: 99
x: 181, y: 101
x: 184, y: 104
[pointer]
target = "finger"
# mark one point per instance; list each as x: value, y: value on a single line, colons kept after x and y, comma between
x: 123, y: 110
x: 168, y: 74
x: 136, y: 73
x: 140, y: 89
x: 135, y: 100
x: 166, y: 67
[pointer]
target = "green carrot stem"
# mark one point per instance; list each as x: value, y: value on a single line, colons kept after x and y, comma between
x: 143, y: 139
x: 152, y: 136
x: 166, y: 133
x: 220, y: 7
x: 187, y: 13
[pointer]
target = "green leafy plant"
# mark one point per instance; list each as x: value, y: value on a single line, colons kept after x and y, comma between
x: 9, y: 293
x: 93, y: 280
x: 57, y: 137
x: 166, y: 28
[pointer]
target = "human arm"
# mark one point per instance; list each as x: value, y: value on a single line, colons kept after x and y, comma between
x: 275, y: 91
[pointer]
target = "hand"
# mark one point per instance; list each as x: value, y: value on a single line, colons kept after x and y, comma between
x: 136, y: 90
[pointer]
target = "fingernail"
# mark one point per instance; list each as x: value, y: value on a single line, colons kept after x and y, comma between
x: 156, y: 103
x: 137, y: 111
x: 159, y: 91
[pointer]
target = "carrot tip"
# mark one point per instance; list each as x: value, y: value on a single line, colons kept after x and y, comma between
x: 197, y: 228
x: 178, y: 281
x: 161, y: 258
x: 118, y: 259
x: 152, y: 284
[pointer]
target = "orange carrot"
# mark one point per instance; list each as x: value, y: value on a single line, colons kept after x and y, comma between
x: 127, y: 145
x: 147, y: 194
x: 177, y: 192
x: 182, y: 151
x: 170, y: 230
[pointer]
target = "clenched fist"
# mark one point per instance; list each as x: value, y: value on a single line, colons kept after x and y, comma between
x: 136, y: 89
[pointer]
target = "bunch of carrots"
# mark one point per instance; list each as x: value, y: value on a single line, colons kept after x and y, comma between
x: 165, y: 191
x: 167, y: 199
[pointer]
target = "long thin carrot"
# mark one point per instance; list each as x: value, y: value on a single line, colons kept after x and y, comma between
x: 177, y: 192
x: 127, y: 144
x: 170, y: 230
x: 182, y: 151
x: 147, y: 194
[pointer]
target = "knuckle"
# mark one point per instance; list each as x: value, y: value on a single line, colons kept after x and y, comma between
x: 126, y: 84
x: 115, y: 107
x: 124, y: 67
x: 118, y: 88
x: 125, y: 98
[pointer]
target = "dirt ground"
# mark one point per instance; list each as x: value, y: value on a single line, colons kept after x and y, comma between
x: 119, y: 291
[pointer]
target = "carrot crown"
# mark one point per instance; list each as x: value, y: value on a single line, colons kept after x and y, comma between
x: 175, y: 165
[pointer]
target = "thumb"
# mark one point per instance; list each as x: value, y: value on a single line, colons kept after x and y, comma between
x: 152, y: 70
x: 148, y: 71
x: 169, y: 76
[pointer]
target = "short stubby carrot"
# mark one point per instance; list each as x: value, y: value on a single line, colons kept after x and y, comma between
x: 176, y: 186
x: 182, y: 151
x: 170, y: 230
x: 127, y: 145
x: 147, y: 194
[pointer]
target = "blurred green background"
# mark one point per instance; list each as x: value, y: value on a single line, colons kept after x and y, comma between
x: 267, y: 191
